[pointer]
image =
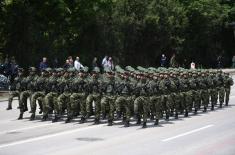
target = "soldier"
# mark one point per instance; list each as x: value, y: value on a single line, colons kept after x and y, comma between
x: 64, y: 94
x: 228, y: 82
x: 213, y: 90
x: 141, y: 106
x: 204, y: 93
x: 39, y: 91
x: 108, y: 96
x: 51, y: 94
x: 94, y: 95
x: 15, y: 88
x: 27, y: 86
x: 78, y: 97
x: 123, y: 101
x: 197, y: 93
x: 221, y: 87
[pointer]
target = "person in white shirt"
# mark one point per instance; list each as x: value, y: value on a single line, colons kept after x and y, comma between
x: 77, y: 64
x: 105, y: 62
x: 110, y: 65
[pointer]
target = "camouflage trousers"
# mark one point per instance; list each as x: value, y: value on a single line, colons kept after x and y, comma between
x: 221, y: 94
x: 227, y: 94
x: 23, y: 100
x: 77, y: 104
x: 196, y: 99
x: 205, y: 96
x: 214, y: 96
x: 124, y: 104
x: 141, y: 107
x: 13, y: 94
x: 61, y: 103
x: 108, y: 104
x: 177, y: 101
x: 49, y: 103
x: 156, y: 106
x: 37, y: 96
x: 96, y: 97
x: 188, y: 100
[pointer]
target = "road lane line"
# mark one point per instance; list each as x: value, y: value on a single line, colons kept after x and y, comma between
x: 49, y: 136
x: 21, y: 129
x: 187, y: 133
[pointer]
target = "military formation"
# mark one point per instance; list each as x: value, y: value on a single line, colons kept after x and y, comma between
x: 127, y: 93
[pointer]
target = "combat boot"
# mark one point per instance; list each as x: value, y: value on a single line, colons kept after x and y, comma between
x: 212, y: 107
x: 103, y: 116
x: 97, y: 121
x: 176, y: 115
x: 156, y: 122
x: 205, y: 109
x: 195, y: 111
x: 226, y: 104
x: 151, y: 117
x: 44, y: 117
x: 82, y: 119
x: 55, y: 119
x: 110, y: 122
x: 25, y: 108
x: 186, y: 114
x: 124, y: 119
x: 68, y: 120
x: 9, y: 108
x: 127, y: 124
x: 32, y: 117
x: 40, y: 112
x: 138, y: 120
x: 220, y: 105
x: 119, y: 114
x: 21, y: 116
x: 167, y: 117
x: 144, y: 125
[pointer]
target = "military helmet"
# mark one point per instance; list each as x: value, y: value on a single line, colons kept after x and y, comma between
x: 32, y: 69
x: 96, y: 70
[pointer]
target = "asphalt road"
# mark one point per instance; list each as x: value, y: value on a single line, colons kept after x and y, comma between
x: 206, y: 133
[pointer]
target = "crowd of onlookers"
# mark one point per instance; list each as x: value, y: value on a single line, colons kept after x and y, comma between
x: 106, y: 62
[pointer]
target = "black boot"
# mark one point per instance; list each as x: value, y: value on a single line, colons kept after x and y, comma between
x: 156, y: 122
x: 127, y: 124
x: 55, y: 119
x: 167, y: 117
x: 21, y: 116
x: 205, y: 109
x: 226, y: 104
x: 144, y: 125
x: 176, y: 115
x: 82, y: 119
x: 32, y: 117
x: 138, y: 120
x: 124, y: 119
x: 68, y: 120
x: 40, y: 112
x: 212, y: 107
x: 103, y: 116
x: 220, y: 105
x: 25, y: 108
x: 195, y: 111
x: 97, y: 121
x: 186, y: 114
x: 9, y: 108
x: 110, y: 122
x: 44, y: 117
x: 119, y: 114
x: 151, y: 117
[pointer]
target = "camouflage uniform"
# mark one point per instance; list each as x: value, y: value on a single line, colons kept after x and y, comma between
x: 228, y: 82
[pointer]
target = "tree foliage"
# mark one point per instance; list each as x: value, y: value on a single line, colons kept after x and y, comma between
x: 133, y: 32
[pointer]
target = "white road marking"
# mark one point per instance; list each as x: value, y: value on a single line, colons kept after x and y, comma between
x: 49, y: 136
x: 21, y: 129
x: 187, y: 133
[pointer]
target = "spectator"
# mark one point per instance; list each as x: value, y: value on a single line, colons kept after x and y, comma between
x: 70, y: 58
x: 13, y: 69
x: 67, y: 64
x: 110, y: 65
x: 77, y: 64
x: 104, y: 61
x: 94, y: 63
x: 233, y: 61
x: 163, y: 61
x: 43, y: 65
